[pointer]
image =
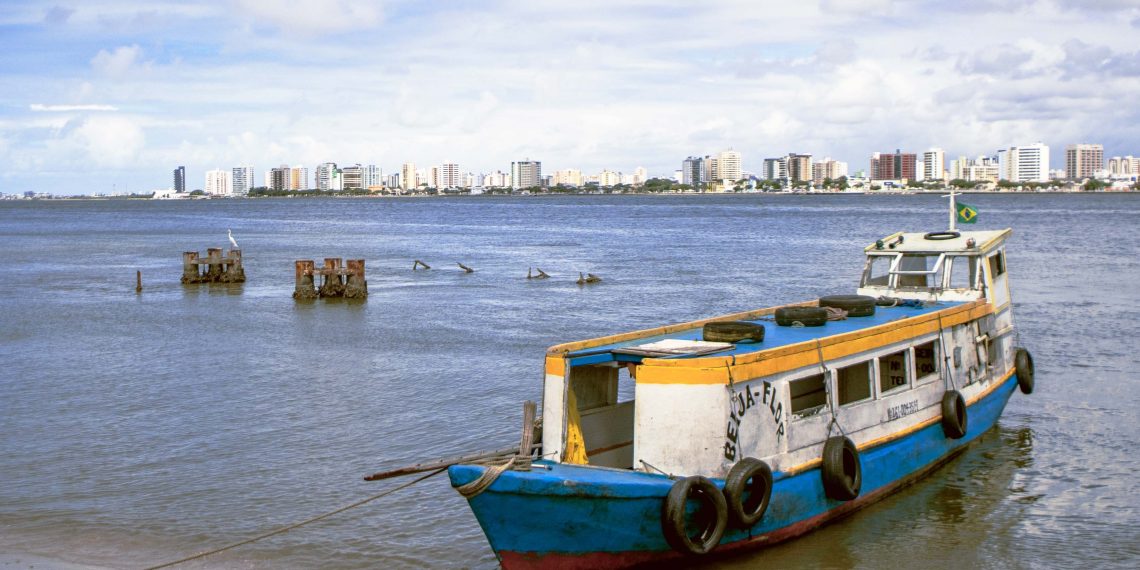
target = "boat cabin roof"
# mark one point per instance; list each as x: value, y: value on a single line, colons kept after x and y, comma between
x: 775, y: 336
x: 940, y: 242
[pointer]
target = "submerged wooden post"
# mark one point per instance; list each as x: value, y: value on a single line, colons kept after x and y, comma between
x: 417, y: 263
x: 304, y: 289
x: 465, y: 268
x: 234, y: 273
x: 190, y: 267
x: 214, y: 267
x: 138, y: 281
x: 331, y: 285
x: 355, y: 287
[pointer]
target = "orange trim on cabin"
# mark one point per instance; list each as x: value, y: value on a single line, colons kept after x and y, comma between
x: 715, y: 370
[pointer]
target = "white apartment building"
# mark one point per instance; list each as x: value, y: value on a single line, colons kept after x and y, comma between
x: 827, y: 168
x: 567, y: 177
x: 242, y: 179
x: 325, y: 173
x: 609, y: 178
x: 408, y: 176
x: 933, y: 165
x: 218, y: 182
x: 1029, y: 163
x: 446, y: 175
x: 727, y: 166
x: 371, y: 176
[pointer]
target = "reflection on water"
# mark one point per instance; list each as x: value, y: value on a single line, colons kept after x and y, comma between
x: 136, y: 429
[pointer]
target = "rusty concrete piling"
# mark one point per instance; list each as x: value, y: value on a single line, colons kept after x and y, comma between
x: 337, y: 280
x: 305, y: 290
x: 219, y: 268
x: 355, y: 287
x: 332, y: 278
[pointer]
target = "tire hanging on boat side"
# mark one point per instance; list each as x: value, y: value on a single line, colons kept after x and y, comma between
x: 842, y: 474
x: 1023, y: 363
x: 747, y: 490
x: 954, y: 414
x: 710, y: 526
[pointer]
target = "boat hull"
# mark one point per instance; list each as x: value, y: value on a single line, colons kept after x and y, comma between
x: 568, y: 516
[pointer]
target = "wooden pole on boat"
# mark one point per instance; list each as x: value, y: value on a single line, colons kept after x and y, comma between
x: 444, y: 462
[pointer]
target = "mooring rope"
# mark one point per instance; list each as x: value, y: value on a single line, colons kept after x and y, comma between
x: 296, y: 525
x: 490, y: 474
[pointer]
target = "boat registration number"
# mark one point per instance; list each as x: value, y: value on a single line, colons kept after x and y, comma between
x: 902, y: 410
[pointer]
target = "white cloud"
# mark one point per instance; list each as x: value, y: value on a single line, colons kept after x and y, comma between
x: 40, y: 107
x: 106, y: 141
x: 117, y: 63
x: 308, y: 18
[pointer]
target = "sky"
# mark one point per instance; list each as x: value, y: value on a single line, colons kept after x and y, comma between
x: 111, y: 95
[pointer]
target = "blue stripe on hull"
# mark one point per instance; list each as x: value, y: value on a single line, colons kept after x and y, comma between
x: 561, y: 510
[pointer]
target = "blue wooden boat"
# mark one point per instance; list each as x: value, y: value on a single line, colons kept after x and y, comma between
x: 745, y: 430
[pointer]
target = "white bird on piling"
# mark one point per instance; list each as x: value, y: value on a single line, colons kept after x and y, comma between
x: 230, y: 233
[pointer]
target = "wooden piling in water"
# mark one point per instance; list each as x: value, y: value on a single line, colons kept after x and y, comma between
x: 465, y: 268
x: 138, y: 281
x: 356, y: 287
x: 304, y: 289
x: 219, y: 268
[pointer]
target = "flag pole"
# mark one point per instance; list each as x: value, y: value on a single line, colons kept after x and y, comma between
x: 953, y: 210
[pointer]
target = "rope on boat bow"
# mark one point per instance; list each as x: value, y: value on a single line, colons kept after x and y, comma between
x: 492, y: 472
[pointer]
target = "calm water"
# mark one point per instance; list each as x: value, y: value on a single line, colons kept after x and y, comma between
x: 137, y: 429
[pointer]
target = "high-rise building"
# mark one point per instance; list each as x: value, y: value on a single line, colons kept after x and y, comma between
x: 1029, y: 163
x: 934, y: 165
x: 526, y: 174
x: 1083, y: 160
x: 691, y: 169
x: 1124, y: 166
x: 279, y: 178
x: 180, y: 179
x: 408, y: 176
x: 371, y: 176
x: 640, y: 175
x: 242, y: 177
x: 569, y: 177
x: 609, y: 178
x: 218, y: 182
x: 827, y: 169
x: 299, y: 178
x: 798, y: 167
x: 728, y: 166
x: 775, y: 168
x: 352, y: 177
x: 447, y: 176
x: 897, y: 166
x: 324, y: 174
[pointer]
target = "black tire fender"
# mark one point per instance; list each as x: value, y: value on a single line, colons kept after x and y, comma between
x: 842, y: 473
x: 954, y: 414
x: 938, y: 236
x: 733, y: 331
x: 806, y: 316
x: 1023, y: 364
x: 855, y: 305
x: 711, y: 517
x: 747, y: 490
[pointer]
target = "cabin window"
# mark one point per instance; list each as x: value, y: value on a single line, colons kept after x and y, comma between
x: 963, y: 272
x: 809, y: 395
x: 853, y: 383
x: 926, y: 361
x: 997, y: 264
x: 878, y: 270
x: 920, y: 262
x: 892, y: 372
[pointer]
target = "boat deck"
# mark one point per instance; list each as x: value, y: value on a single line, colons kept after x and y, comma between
x: 775, y: 336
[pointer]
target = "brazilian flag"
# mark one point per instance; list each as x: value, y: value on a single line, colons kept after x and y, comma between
x: 967, y: 214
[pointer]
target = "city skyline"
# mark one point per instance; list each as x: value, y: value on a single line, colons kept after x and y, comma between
x: 116, y: 93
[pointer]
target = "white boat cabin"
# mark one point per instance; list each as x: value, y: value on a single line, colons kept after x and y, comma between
x: 664, y: 400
